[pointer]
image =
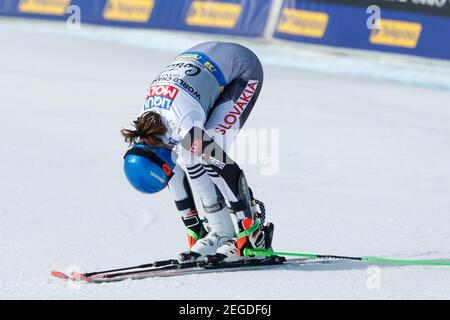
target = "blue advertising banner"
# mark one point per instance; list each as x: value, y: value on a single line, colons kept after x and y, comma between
x: 405, y: 26
x: 435, y: 7
x: 236, y: 17
x: 351, y: 26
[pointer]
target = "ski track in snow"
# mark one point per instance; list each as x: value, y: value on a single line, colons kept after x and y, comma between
x: 364, y: 170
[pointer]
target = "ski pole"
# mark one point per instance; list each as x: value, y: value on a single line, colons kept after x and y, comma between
x: 142, y: 266
x: 269, y: 253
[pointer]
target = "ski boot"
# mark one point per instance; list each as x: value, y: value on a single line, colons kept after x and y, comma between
x: 252, y: 235
x: 220, y: 229
x: 252, y: 232
x: 195, y: 228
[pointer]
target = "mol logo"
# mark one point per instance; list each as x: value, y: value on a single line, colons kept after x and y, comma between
x: 161, y: 96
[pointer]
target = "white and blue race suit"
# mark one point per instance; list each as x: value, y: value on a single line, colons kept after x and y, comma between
x: 207, y: 92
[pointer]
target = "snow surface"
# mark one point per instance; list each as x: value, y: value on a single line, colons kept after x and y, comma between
x: 364, y: 168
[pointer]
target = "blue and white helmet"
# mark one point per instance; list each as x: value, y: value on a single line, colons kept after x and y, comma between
x: 148, y: 169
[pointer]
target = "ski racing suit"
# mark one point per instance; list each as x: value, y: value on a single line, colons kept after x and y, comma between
x: 204, y: 98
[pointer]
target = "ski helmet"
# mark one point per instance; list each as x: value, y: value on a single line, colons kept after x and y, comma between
x: 148, y: 169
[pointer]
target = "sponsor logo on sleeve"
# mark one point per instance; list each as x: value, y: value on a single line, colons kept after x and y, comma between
x: 49, y: 7
x: 213, y: 14
x: 303, y: 23
x: 188, y: 68
x: 207, y: 63
x: 199, y: 58
x: 128, y: 10
x: 190, y: 56
x: 196, y: 147
x: 232, y: 117
x: 397, y: 34
x: 161, y: 96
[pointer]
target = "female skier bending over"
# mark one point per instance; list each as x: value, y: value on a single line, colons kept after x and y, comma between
x: 193, y: 112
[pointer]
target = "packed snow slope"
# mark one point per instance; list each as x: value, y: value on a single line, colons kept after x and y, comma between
x: 364, y: 169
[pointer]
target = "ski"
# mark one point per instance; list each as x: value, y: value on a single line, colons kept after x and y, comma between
x: 171, y: 268
x: 111, y: 273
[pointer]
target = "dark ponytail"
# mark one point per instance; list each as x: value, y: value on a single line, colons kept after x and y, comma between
x: 147, y: 128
